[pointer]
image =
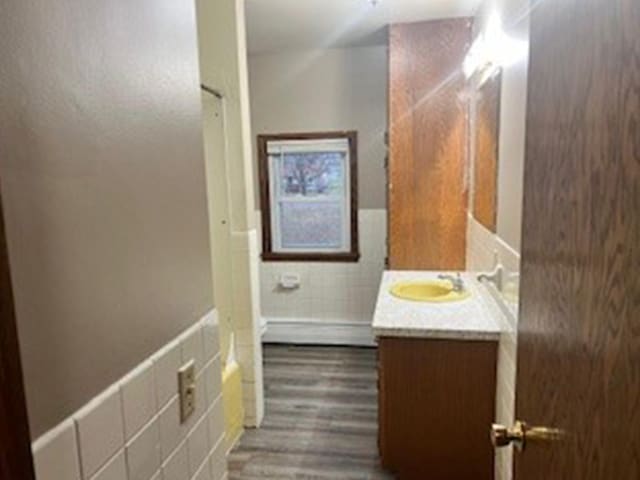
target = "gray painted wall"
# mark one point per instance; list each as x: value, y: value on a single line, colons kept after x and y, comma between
x: 323, y: 90
x: 103, y: 185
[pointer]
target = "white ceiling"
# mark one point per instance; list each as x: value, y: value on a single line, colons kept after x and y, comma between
x: 279, y: 25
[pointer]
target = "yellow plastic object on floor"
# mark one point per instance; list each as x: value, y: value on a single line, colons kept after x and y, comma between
x: 232, y: 398
x: 436, y: 291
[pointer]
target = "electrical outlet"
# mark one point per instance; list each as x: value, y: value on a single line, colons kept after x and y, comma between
x: 187, y: 389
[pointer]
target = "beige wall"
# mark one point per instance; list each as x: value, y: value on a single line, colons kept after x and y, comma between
x: 103, y: 186
x: 324, y: 90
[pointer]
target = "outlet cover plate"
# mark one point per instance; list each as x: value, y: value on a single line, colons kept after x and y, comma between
x: 187, y: 389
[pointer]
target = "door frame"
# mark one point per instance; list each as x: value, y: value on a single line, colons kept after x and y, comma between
x: 16, y: 460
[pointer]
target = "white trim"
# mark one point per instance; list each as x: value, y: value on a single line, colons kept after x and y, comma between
x: 276, y: 147
x: 314, y: 331
x: 263, y: 326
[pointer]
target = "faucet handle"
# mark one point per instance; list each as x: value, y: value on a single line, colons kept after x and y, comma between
x: 449, y: 275
x: 456, y: 280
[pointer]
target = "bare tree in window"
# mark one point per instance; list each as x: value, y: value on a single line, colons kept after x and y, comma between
x: 308, y: 173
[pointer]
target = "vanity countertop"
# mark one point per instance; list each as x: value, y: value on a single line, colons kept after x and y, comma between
x: 469, y: 319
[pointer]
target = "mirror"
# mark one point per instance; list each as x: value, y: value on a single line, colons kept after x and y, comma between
x: 485, y: 161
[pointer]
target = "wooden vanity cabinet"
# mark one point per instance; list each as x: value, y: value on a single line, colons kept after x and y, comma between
x: 436, y: 406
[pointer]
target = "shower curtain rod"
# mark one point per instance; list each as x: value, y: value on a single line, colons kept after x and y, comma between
x: 212, y: 91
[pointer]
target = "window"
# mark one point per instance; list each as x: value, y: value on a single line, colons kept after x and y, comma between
x: 308, y: 196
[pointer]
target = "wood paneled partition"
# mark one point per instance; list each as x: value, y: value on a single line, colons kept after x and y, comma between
x: 427, y: 144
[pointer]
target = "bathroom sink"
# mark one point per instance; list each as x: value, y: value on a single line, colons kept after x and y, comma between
x: 437, y: 291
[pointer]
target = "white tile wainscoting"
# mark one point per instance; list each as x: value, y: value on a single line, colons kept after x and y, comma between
x: 482, y: 245
x: 132, y: 430
x: 334, y: 303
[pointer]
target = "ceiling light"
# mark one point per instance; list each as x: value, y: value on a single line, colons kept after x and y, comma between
x: 493, y: 48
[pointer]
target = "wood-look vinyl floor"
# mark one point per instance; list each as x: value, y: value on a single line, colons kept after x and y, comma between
x: 320, y: 420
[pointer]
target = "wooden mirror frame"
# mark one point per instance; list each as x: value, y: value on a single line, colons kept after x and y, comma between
x: 486, y: 143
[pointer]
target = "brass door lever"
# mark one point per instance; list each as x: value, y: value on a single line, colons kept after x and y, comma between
x: 521, y: 434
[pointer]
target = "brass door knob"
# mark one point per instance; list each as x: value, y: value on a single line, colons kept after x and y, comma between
x: 521, y: 434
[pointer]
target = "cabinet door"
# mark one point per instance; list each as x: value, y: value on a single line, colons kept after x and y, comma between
x: 437, y: 398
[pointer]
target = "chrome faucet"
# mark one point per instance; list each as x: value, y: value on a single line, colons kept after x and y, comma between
x: 456, y: 281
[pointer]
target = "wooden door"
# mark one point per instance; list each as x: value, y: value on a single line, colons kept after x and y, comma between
x: 427, y: 145
x: 579, y: 332
x: 15, y: 444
